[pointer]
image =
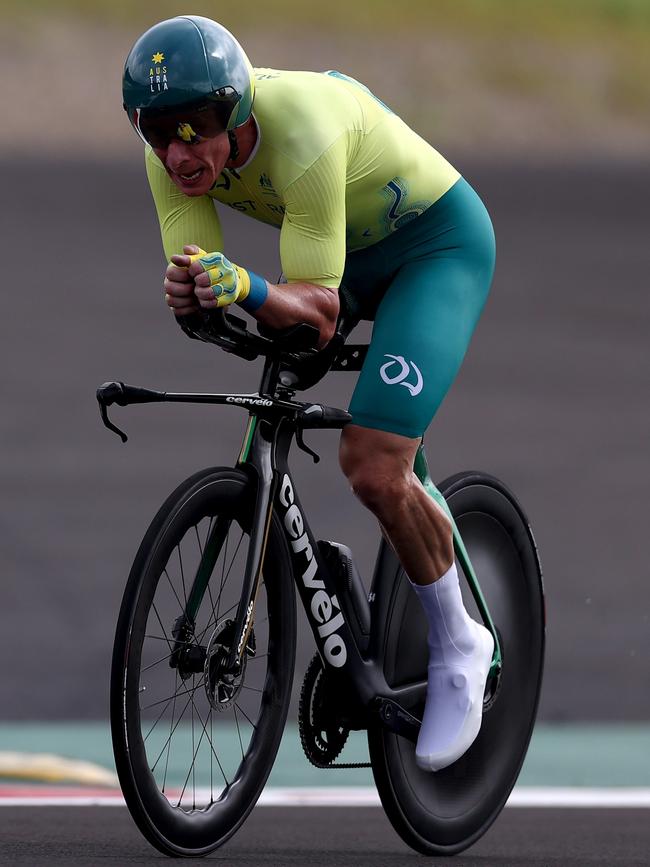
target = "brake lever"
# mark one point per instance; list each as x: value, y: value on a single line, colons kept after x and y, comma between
x: 109, y: 424
x: 106, y: 395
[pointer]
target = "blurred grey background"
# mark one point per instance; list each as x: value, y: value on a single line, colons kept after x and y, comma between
x: 543, y: 110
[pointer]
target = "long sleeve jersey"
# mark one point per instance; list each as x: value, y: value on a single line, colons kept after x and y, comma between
x: 333, y: 168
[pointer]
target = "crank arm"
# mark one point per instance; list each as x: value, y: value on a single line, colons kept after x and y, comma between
x: 397, y: 720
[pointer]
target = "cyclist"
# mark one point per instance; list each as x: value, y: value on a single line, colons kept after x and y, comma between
x: 367, y: 208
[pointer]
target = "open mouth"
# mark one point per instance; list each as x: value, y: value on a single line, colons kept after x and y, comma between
x: 187, y: 179
x: 191, y: 177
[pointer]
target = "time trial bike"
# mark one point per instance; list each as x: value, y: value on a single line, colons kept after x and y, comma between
x: 205, y: 644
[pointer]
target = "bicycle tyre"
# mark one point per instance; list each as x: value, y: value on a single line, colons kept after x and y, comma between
x: 172, y: 829
x: 445, y: 812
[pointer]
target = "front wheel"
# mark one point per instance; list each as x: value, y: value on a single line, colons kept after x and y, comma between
x: 444, y: 812
x: 194, y: 741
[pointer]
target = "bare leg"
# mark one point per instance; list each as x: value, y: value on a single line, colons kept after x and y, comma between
x: 379, y: 466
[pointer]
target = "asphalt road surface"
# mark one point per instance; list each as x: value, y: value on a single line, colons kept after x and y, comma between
x: 329, y: 837
x: 553, y: 398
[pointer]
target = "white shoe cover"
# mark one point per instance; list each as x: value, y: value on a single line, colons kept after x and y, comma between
x: 454, y: 705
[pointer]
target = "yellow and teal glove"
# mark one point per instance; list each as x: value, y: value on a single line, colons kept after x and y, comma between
x: 230, y: 282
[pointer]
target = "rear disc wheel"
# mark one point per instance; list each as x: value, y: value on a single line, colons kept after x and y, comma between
x: 443, y: 813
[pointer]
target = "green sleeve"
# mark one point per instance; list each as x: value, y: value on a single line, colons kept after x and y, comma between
x: 183, y: 219
x: 312, y: 239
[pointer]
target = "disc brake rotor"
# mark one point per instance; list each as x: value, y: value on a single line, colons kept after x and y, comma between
x: 222, y: 684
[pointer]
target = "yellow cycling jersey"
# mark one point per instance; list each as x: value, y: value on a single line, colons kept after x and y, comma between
x: 334, y: 168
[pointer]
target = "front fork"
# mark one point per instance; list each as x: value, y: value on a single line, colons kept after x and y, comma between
x: 421, y: 470
x: 183, y: 629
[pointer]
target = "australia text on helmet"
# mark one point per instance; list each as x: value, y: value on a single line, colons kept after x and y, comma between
x: 401, y: 375
x: 158, y: 73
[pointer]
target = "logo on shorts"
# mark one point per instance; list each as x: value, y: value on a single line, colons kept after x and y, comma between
x: 404, y: 372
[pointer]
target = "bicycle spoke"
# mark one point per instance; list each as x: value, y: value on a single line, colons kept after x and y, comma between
x: 243, y: 712
x: 215, y: 615
x: 176, y: 695
x: 194, y: 758
x: 225, y: 580
x: 191, y: 772
x: 207, y: 538
x: 210, y: 595
x: 157, y: 662
x: 207, y: 535
x: 225, y: 557
x: 198, y: 539
x: 213, y: 622
x: 163, y: 638
x: 155, y: 610
x: 198, y: 713
x: 180, y: 604
x: 238, y: 731
x: 169, y: 744
x: 187, y: 704
x: 180, y: 562
x: 159, y: 717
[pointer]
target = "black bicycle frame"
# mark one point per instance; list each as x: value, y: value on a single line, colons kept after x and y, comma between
x: 265, y: 452
x: 358, y: 665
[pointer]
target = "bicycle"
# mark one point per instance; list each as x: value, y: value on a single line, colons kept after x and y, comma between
x: 205, y: 643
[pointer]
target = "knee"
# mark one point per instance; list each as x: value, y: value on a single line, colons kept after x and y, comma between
x: 377, y: 490
x: 375, y: 478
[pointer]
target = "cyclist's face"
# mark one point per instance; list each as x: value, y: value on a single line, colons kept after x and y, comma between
x: 194, y: 168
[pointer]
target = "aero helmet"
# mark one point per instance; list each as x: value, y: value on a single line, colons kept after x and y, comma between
x: 193, y: 64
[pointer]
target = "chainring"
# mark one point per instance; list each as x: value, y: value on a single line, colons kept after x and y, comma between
x: 322, y: 738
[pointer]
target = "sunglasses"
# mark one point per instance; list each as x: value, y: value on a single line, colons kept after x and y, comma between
x: 191, y: 124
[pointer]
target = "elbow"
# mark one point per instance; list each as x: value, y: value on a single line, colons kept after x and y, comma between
x: 329, y: 316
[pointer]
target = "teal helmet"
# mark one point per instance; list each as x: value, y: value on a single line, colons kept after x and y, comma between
x: 190, y: 65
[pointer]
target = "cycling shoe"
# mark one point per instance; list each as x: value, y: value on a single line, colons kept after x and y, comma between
x: 454, y: 705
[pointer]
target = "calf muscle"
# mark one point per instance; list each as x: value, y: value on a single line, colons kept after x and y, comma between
x: 378, y: 466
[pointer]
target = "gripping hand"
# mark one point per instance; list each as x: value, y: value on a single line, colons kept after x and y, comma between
x: 218, y: 281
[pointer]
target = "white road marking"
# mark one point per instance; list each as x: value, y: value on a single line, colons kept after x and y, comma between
x: 343, y: 796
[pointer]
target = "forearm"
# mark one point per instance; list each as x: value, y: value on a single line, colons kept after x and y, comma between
x: 291, y: 303
x: 219, y: 282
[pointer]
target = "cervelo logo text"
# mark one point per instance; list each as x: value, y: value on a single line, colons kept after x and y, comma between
x: 322, y: 605
x: 245, y: 629
x: 400, y: 378
x: 250, y: 401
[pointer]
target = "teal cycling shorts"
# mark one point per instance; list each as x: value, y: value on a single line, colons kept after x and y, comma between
x: 425, y: 287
